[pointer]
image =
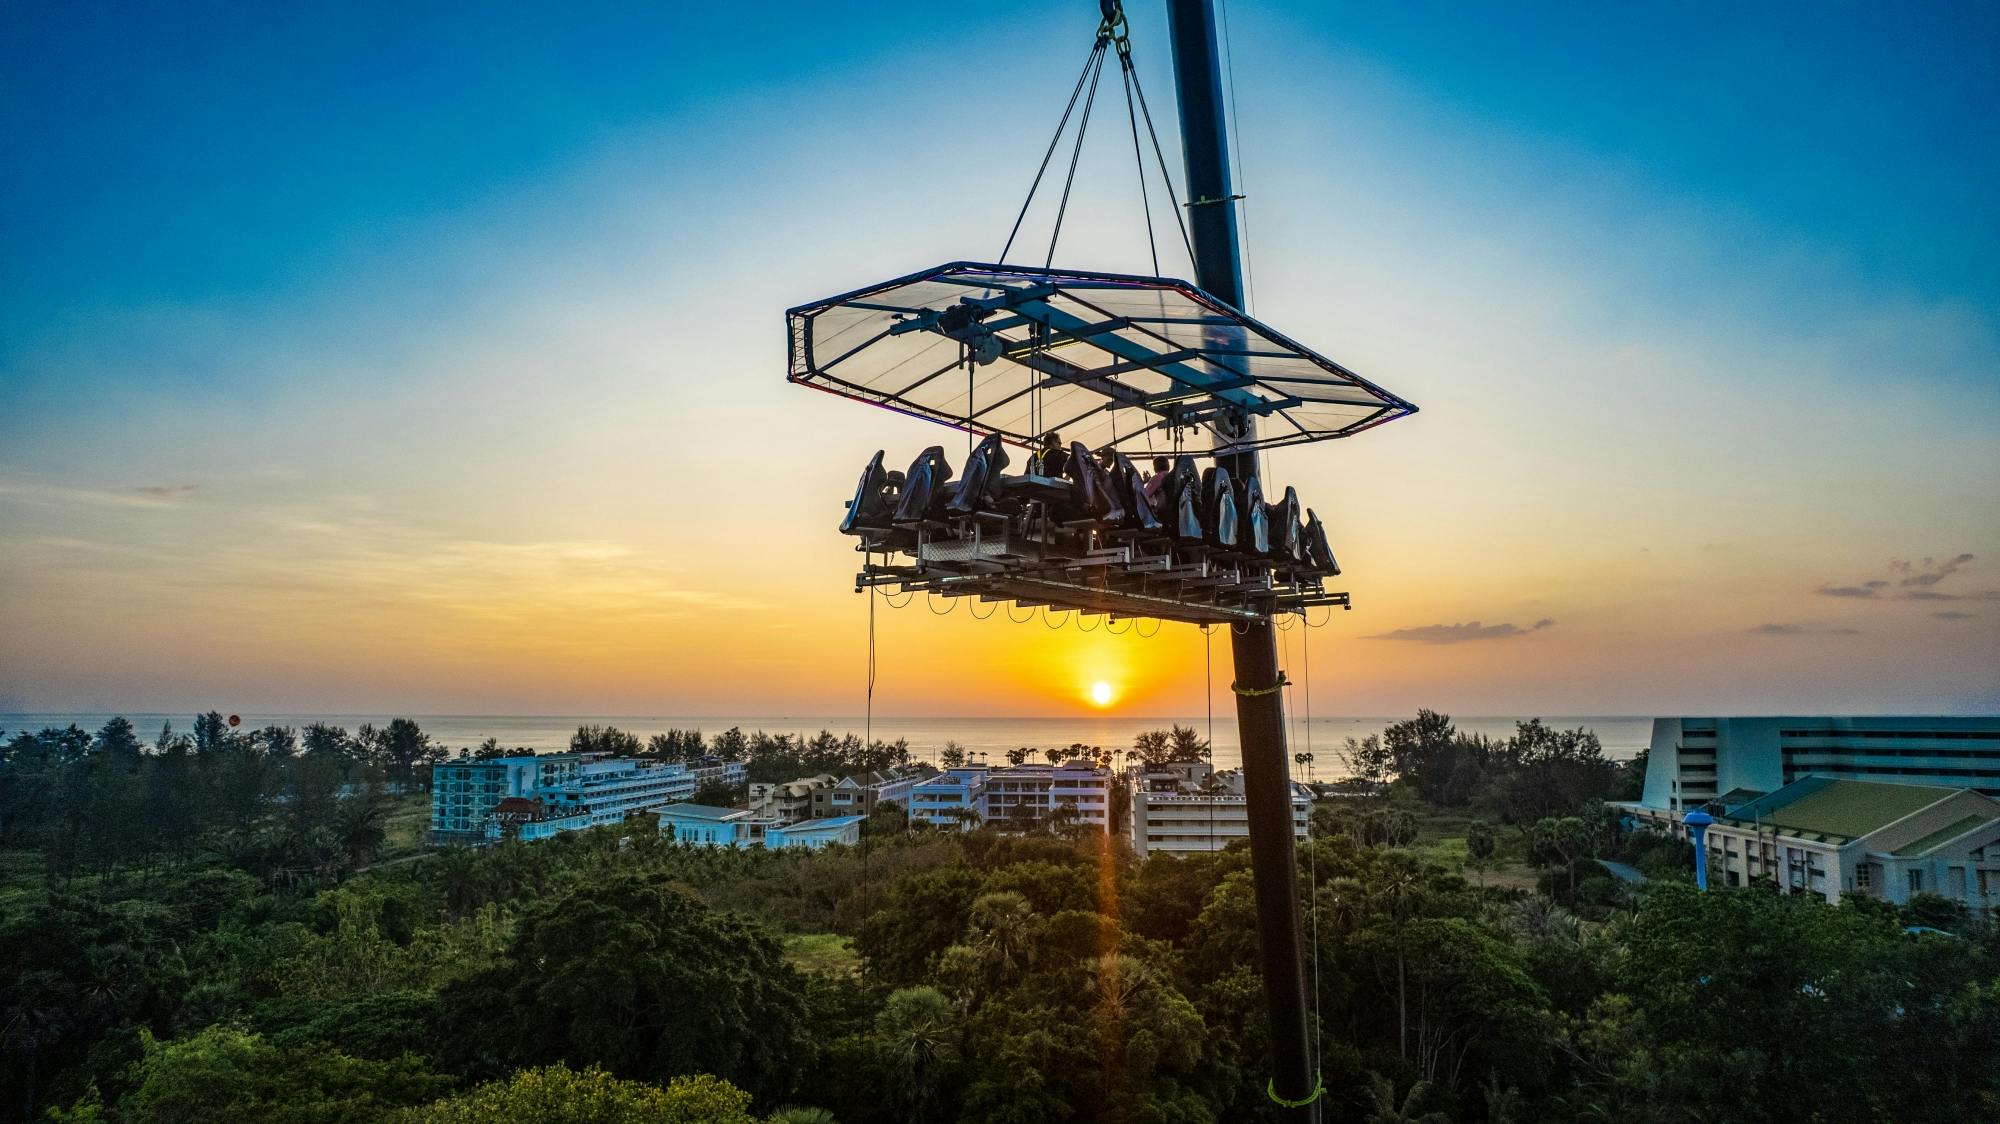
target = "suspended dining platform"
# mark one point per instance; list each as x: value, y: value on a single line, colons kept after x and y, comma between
x: 1089, y: 371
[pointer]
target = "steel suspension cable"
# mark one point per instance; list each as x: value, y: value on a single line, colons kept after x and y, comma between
x: 1160, y: 156
x: 1090, y: 62
x: 1242, y: 199
x: 1138, y: 157
x: 1076, y: 153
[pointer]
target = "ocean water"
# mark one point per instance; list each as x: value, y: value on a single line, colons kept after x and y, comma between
x: 1623, y: 736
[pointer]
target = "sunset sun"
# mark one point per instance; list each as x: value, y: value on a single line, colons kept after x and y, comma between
x: 1100, y: 693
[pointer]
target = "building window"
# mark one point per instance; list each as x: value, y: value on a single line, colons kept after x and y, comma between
x: 1863, y: 876
x: 1916, y: 882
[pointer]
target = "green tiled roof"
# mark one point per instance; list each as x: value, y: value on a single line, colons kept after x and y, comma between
x: 1960, y: 827
x: 1845, y: 808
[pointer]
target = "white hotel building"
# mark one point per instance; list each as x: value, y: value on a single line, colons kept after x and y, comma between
x: 1888, y: 807
x: 1693, y: 761
x: 552, y: 793
x: 1035, y: 792
x: 1185, y: 807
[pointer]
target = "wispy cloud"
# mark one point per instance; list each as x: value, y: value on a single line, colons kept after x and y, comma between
x: 166, y: 491
x: 1929, y: 572
x: 1462, y: 633
x: 1954, y: 615
x: 48, y: 495
x: 1913, y: 581
x: 1802, y: 630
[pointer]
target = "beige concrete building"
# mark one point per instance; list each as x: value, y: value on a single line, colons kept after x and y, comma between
x: 1827, y: 836
x: 790, y: 801
x: 1185, y: 807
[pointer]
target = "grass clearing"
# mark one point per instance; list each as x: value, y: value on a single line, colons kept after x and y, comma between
x: 407, y: 827
x: 828, y: 953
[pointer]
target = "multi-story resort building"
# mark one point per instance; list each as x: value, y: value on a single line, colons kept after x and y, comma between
x: 704, y: 826
x: 791, y: 801
x: 955, y: 798
x: 857, y: 795
x: 1884, y: 806
x: 551, y: 793
x: 1831, y: 837
x: 1034, y: 793
x: 1184, y: 807
x: 710, y: 769
x: 1693, y: 761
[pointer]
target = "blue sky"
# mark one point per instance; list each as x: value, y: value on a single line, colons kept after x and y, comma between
x: 1700, y: 302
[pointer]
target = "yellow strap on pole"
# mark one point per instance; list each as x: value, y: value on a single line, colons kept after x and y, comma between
x: 1256, y: 692
x: 1319, y: 1090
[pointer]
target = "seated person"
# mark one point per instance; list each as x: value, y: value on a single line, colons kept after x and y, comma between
x: 1156, y: 485
x: 923, y: 485
x: 1095, y: 495
x: 1049, y: 459
x: 1132, y: 494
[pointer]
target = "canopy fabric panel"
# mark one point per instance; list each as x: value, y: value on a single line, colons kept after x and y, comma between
x: 1132, y: 363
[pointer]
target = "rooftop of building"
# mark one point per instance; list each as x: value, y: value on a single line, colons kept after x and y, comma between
x: 1946, y: 833
x: 829, y: 823
x: 1828, y: 807
x: 703, y: 812
x: 1076, y: 765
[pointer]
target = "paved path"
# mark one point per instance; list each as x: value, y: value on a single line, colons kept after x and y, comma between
x: 1623, y: 871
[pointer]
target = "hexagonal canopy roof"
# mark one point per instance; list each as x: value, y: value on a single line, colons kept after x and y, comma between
x: 1105, y: 359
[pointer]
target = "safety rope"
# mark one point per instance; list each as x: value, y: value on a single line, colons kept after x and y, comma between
x: 1208, y: 678
x: 1312, y: 850
x: 868, y: 721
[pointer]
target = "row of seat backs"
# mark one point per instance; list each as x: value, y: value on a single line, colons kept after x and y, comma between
x: 1205, y: 505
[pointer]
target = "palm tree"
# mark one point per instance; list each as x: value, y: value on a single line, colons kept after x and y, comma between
x: 801, y: 1114
x: 918, y: 1031
x: 361, y: 830
x: 1384, y: 1109
x: 1400, y: 891
x: 1003, y: 930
